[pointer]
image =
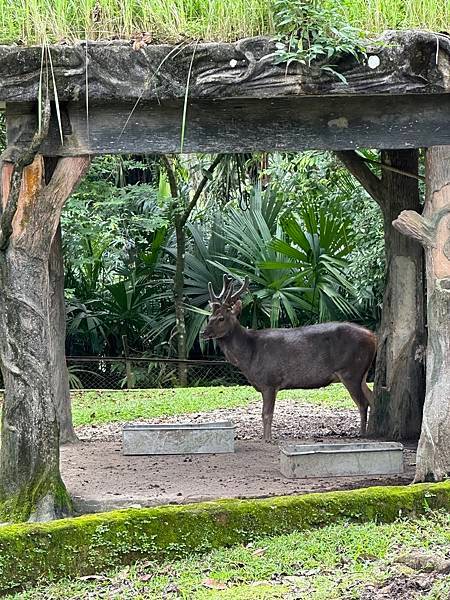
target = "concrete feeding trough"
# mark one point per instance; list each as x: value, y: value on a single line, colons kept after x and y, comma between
x: 340, y: 460
x: 179, y: 438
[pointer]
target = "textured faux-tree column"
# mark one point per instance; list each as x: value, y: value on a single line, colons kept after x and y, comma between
x: 432, y: 229
x: 58, y: 324
x: 399, y: 387
x: 30, y: 483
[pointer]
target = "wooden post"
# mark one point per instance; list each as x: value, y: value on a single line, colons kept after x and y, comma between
x: 432, y: 229
x: 129, y: 370
x: 399, y: 387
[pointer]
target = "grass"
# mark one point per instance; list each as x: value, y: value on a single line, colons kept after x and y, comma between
x: 379, y: 15
x: 171, y: 20
x: 335, y: 562
x: 92, y: 408
x: 32, y: 21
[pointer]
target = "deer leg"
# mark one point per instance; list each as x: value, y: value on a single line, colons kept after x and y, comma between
x: 367, y: 391
x: 358, y: 393
x: 363, y: 419
x: 269, y: 396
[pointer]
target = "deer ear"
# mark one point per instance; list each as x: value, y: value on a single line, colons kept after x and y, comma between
x: 237, y: 307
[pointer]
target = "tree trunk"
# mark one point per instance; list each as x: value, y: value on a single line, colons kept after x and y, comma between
x: 30, y: 482
x: 399, y: 387
x: 432, y: 229
x: 399, y: 374
x: 182, y: 210
x: 58, y: 338
x: 179, y: 301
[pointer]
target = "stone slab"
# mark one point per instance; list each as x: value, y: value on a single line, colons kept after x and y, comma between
x: 340, y: 460
x: 179, y: 438
x: 397, y: 63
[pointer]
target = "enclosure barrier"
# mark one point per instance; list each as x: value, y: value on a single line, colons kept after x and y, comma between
x: 117, y: 373
x: 92, y: 543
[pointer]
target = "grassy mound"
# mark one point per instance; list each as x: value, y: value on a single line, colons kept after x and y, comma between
x: 342, y: 560
x: 93, y: 543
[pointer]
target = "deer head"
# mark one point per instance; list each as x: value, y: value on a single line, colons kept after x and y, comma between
x: 226, y: 308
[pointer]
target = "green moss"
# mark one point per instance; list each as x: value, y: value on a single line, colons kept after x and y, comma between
x: 92, y: 543
x: 22, y: 505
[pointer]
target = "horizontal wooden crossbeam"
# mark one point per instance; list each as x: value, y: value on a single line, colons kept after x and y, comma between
x: 222, y: 126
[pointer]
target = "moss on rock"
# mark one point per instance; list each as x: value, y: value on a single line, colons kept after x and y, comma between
x: 88, y: 544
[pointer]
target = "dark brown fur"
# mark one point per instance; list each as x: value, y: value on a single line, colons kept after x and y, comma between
x: 296, y: 358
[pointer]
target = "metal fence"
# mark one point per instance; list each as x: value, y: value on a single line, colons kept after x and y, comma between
x: 119, y: 373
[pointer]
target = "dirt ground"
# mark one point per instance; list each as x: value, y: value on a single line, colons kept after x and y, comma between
x: 100, y: 477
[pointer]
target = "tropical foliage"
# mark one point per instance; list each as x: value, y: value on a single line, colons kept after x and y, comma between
x: 296, y: 229
x: 113, y: 242
x: 315, y: 32
x: 298, y: 226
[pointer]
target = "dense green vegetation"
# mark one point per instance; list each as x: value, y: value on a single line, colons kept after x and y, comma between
x: 335, y: 562
x: 309, y: 239
x: 31, y: 21
x: 91, y: 408
x: 297, y: 226
x: 311, y: 243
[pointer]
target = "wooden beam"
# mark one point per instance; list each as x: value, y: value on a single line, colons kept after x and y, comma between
x: 283, y: 124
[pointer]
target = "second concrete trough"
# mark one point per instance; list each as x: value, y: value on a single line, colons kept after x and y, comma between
x: 334, y: 460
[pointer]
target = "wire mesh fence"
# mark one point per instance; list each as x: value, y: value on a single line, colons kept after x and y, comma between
x: 139, y: 373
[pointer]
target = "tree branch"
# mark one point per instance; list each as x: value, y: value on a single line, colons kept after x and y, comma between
x: 392, y: 169
x: 410, y: 223
x: 24, y: 160
x: 199, y: 190
x: 360, y: 171
x: 67, y: 175
x: 171, y: 176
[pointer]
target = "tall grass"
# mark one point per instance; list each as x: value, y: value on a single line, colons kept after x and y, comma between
x: 379, y: 15
x: 31, y: 21
x: 166, y: 20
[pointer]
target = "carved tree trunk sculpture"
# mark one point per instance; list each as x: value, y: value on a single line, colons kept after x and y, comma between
x: 432, y: 229
x: 399, y: 375
x: 30, y: 482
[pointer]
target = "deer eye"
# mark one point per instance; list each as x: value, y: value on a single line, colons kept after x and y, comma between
x: 221, y: 318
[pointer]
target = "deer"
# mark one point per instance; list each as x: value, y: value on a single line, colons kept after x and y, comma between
x: 307, y: 357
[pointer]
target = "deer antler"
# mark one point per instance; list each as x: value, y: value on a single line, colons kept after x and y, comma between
x: 240, y: 291
x: 224, y: 294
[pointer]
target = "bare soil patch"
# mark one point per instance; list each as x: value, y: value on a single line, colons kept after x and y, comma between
x: 402, y: 587
x: 100, y: 477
